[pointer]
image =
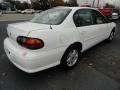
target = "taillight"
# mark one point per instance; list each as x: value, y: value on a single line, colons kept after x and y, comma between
x: 30, y: 43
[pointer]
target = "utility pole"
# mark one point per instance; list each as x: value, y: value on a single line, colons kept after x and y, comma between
x: 93, y: 3
x: 116, y: 3
x: 98, y: 3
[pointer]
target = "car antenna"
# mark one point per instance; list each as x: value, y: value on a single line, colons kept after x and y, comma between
x: 48, y: 14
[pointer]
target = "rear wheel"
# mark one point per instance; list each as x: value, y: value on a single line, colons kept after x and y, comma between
x: 70, y: 58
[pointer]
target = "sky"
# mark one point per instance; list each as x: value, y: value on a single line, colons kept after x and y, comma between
x: 102, y: 2
x: 19, y: 0
x: 116, y: 2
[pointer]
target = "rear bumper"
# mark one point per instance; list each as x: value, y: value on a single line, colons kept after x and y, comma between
x: 32, y: 62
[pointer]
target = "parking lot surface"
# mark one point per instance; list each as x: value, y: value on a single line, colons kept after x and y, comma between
x: 99, y: 69
x: 15, y: 17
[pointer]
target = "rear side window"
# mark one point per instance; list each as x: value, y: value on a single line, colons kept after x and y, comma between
x: 51, y: 16
x: 97, y: 17
x: 82, y: 17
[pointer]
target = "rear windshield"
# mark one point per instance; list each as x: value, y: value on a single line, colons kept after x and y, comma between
x: 51, y: 16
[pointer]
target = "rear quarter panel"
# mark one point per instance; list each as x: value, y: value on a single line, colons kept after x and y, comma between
x: 111, y: 26
x: 56, y: 37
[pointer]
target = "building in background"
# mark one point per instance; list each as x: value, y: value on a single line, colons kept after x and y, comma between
x: 7, y: 6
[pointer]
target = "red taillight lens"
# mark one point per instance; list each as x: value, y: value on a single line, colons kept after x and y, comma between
x: 30, y: 43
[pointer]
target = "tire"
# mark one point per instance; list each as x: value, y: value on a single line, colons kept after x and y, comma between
x: 111, y: 37
x: 70, y: 58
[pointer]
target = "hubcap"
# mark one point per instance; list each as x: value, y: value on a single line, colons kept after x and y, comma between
x: 72, y: 58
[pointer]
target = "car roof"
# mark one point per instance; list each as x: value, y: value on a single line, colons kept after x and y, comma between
x: 75, y: 8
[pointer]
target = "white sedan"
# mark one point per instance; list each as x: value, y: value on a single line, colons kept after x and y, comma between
x: 56, y: 36
x: 28, y: 11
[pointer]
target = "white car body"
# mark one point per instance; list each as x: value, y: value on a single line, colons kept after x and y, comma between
x: 56, y: 40
x: 115, y: 16
x: 28, y: 11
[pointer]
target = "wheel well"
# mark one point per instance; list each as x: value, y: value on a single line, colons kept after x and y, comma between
x: 76, y: 44
x: 113, y: 29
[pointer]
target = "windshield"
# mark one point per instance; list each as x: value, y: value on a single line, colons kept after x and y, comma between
x: 51, y: 16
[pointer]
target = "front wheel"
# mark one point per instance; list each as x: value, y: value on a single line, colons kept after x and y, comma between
x: 70, y: 58
x: 111, y: 37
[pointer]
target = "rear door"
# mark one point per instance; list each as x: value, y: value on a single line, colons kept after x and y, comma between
x: 88, y: 32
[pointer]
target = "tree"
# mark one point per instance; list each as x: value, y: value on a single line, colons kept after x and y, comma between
x: 18, y: 5
x: 58, y: 3
x: 8, y: 1
x: 36, y: 6
x: 46, y: 4
x: 11, y: 3
x: 72, y: 3
x: 109, y: 6
x: 25, y: 5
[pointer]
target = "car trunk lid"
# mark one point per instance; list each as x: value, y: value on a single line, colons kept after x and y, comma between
x: 23, y: 29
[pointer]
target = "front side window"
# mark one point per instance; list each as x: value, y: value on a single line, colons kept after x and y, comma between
x: 97, y: 17
x: 83, y: 17
x: 51, y: 16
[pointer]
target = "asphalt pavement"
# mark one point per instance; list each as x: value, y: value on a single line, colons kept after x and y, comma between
x: 16, y: 17
x: 99, y: 69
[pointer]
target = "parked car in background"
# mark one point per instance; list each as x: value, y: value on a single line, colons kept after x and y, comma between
x: 19, y: 11
x: 106, y: 12
x: 0, y: 13
x: 115, y: 14
x: 38, y: 11
x: 28, y: 11
x: 56, y: 36
x: 119, y: 12
x: 116, y: 10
